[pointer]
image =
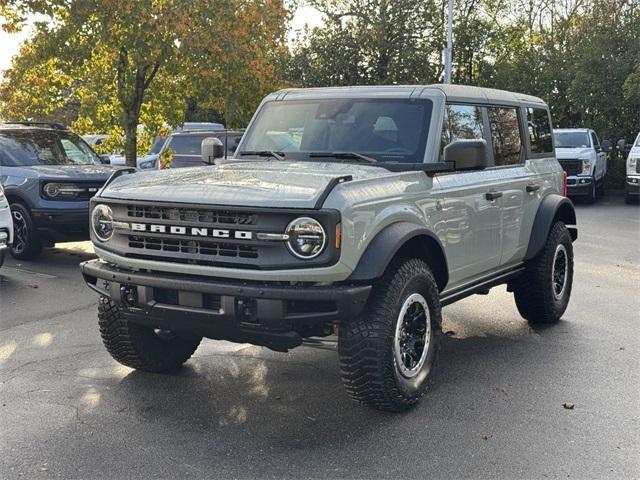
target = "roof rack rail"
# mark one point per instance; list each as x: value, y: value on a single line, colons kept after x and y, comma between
x: 54, y: 125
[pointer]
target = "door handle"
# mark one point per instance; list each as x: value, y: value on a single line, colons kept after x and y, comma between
x: 532, y: 187
x: 493, y: 195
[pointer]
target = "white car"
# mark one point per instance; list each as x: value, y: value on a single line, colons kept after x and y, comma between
x: 6, y: 226
x: 582, y: 157
x: 632, y: 189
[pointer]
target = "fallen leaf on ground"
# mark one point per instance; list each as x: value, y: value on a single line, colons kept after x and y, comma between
x: 32, y: 285
x: 449, y: 333
x: 569, y: 405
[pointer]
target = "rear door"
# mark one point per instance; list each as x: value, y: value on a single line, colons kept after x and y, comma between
x: 508, y: 147
x: 542, y: 169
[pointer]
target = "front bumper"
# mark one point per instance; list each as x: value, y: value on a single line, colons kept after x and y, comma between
x: 270, y: 314
x: 4, y: 240
x: 633, y: 185
x: 578, y: 185
x: 62, y: 224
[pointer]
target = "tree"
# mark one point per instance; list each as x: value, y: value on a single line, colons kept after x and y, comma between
x: 123, y: 61
x: 372, y: 42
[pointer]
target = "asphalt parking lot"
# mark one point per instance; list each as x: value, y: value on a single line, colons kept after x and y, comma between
x: 67, y: 410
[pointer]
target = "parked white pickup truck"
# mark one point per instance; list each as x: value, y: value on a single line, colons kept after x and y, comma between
x: 580, y: 154
x: 632, y: 189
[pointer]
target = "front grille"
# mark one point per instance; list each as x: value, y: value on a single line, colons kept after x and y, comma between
x: 197, y: 234
x: 89, y: 190
x: 226, y: 217
x: 572, y: 167
x: 198, y: 248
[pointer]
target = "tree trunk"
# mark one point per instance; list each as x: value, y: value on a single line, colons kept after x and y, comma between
x: 131, y: 90
x: 131, y: 140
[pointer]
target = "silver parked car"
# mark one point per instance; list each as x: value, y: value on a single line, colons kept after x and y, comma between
x: 6, y: 226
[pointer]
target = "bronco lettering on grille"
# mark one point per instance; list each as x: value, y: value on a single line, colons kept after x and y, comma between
x: 192, y: 231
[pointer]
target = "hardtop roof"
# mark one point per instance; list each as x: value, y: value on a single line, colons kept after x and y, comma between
x: 453, y: 93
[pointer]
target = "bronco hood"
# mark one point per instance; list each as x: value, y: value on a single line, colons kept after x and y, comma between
x: 256, y: 183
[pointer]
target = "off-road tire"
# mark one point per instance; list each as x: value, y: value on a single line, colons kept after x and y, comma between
x: 593, y: 192
x: 138, y: 346
x: 32, y: 246
x: 534, y: 291
x: 367, y: 363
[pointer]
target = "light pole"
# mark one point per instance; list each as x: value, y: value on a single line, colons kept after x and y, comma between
x: 449, y: 48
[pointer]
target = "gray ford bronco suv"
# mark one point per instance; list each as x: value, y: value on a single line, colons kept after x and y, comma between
x: 359, y: 211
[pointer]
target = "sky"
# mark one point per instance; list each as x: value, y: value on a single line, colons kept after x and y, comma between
x: 10, y: 43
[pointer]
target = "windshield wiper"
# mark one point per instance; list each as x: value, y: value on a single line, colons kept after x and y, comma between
x: 264, y: 153
x: 344, y: 155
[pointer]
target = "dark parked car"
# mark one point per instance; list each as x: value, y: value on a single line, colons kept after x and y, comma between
x: 185, y: 147
x: 49, y: 174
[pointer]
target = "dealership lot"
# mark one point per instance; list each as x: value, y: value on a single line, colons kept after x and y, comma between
x: 236, y: 411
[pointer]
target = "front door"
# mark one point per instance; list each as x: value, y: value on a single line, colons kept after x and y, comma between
x: 467, y: 219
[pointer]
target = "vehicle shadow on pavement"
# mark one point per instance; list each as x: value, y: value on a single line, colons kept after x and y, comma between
x: 231, y: 402
x: 296, y: 400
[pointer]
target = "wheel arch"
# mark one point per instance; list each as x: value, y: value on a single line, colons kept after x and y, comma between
x: 15, y: 195
x: 402, y: 240
x: 553, y: 208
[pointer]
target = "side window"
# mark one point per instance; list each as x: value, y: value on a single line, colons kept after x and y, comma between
x: 595, y: 141
x: 539, y: 130
x: 505, y: 133
x: 461, y: 122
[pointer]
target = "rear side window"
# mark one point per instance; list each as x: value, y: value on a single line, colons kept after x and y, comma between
x: 539, y: 130
x: 461, y: 122
x: 505, y: 133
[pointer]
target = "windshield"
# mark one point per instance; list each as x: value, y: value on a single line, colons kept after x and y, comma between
x: 571, y: 139
x: 387, y: 130
x: 44, y: 147
x: 638, y: 141
x: 157, y: 145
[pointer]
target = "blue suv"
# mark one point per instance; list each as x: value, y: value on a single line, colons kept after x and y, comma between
x: 49, y: 174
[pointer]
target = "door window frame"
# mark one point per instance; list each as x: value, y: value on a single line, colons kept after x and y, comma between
x: 523, y: 140
x: 530, y: 155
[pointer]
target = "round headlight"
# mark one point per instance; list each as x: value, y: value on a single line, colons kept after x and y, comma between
x: 307, y: 238
x: 52, y: 189
x: 102, y: 222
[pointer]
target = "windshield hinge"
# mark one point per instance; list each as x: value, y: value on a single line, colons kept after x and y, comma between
x: 329, y: 188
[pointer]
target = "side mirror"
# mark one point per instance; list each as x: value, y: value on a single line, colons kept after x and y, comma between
x: 467, y: 154
x: 105, y: 159
x: 622, y: 143
x: 606, y: 145
x: 212, y: 149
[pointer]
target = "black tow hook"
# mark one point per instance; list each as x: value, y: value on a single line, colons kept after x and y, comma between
x: 129, y: 295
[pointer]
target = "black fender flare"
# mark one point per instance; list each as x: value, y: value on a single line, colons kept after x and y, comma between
x: 15, y: 192
x: 552, y: 208
x: 387, y: 243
